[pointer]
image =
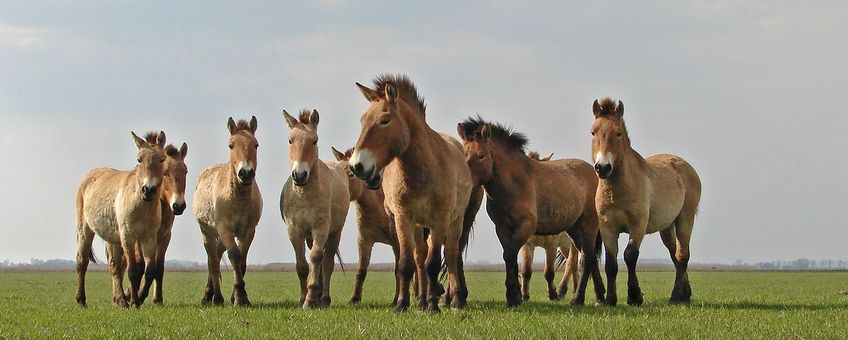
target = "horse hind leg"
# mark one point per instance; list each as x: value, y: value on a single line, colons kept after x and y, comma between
x: 526, y: 270
x: 550, y: 259
x: 682, y: 291
x: 85, y: 236
x: 365, y: 245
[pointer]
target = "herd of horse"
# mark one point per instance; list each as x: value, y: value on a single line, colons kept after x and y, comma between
x: 414, y: 189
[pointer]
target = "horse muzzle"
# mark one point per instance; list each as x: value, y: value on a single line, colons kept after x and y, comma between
x: 300, y: 178
x: 246, y: 176
x: 603, y: 170
x: 375, y: 181
x: 148, y: 193
x: 178, y: 208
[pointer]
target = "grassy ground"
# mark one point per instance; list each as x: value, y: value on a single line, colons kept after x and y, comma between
x: 725, y: 305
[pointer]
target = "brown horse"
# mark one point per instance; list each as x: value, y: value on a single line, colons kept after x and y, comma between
x: 425, y: 180
x: 553, y: 245
x: 228, y: 205
x: 528, y: 197
x: 314, y: 204
x: 121, y: 207
x: 641, y: 196
x: 373, y: 223
x: 173, y: 202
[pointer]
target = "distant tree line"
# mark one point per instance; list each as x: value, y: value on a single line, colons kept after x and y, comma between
x: 803, y: 264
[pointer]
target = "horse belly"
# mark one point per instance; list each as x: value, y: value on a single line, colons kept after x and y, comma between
x: 99, y: 211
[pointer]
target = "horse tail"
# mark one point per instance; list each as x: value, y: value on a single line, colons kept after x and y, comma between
x: 341, y: 263
x: 560, y: 258
x: 599, y: 246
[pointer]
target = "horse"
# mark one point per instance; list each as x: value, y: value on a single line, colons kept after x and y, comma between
x: 122, y: 208
x: 372, y: 221
x: 526, y: 197
x: 554, y: 246
x: 172, y: 198
x: 640, y: 196
x: 426, y: 184
x: 314, y: 204
x: 227, y: 205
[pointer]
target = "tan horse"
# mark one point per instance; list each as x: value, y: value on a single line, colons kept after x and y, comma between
x: 528, y: 197
x: 552, y: 244
x: 641, y: 196
x: 173, y: 202
x: 228, y: 205
x: 373, y: 223
x: 314, y: 205
x: 425, y: 181
x: 121, y: 207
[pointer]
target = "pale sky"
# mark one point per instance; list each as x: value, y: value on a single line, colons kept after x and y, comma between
x: 750, y: 93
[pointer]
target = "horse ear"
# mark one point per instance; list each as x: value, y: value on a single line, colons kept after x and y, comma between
x: 160, y: 139
x: 597, y: 110
x: 391, y: 92
x: 290, y: 121
x: 369, y: 94
x: 184, y: 151
x: 485, y: 132
x: 348, y: 153
x: 548, y: 157
x: 231, y: 125
x: 461, y: 132
x: 253, y: 124
x: 619, y: 109
x: 138, y: 141
x: 314, y: 117
x: 338, y: 154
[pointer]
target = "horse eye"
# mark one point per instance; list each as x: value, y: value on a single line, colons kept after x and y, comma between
x: 162, y: 160
x: 593, y: 133
x: 384, y: 122
x: 289, y: 140
x: 618, y: 135
x: 482, y: 156
x: 315, y: 142
x: 231, y: 146
x: 257, y: 146
x: 139, y: 160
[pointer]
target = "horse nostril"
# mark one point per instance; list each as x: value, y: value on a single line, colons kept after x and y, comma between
x: 357, y: 168
x: 241, y: 173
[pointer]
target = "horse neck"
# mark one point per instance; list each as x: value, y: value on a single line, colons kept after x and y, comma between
x: 238, y: 191
x: 631, y: 171
x: 420, y: 137
x: 511, y: 170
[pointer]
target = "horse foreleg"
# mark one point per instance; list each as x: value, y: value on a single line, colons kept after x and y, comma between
x: 240, y: 295
x: 151, y: 265
x: 301, y: 265
x: 115, y: 255
x: 422, y: 277
x: 433, y: 265
x: 84, y: 238
x: 610, y: 239
x: 212, y: 293
x: 512, y: 239
x: 631, y: 256
x: 135, y: 268
x: 328, y: 266
x: 406, y: 266
x: 365, y: 245
x: 316, y: 259
x: 162, y: 246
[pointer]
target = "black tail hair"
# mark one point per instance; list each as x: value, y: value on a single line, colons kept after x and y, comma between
x: 341, y: 263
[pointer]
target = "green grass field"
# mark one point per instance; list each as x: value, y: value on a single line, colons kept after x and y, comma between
x: 725, y: 305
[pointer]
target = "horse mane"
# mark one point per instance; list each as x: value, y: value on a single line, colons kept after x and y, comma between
x: 151, y: 136
x: 608, y: 106
x: 172, y: 151
x: 243, y: 124
x: 406, y: 89
x: 303, y: 117
x: 472, y: 125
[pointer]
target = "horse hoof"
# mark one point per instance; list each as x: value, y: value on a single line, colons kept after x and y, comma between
x: 577, y: 302
x: 553, y: 296
x: 311, y: 304
x: 401, y: 307
x: 242, y: 303
x: 513, y: 303
x: 525, y: 297
x: 355, y: 300
x: 457, y: 304
x: 635, y: 300
x: 433, y: 308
